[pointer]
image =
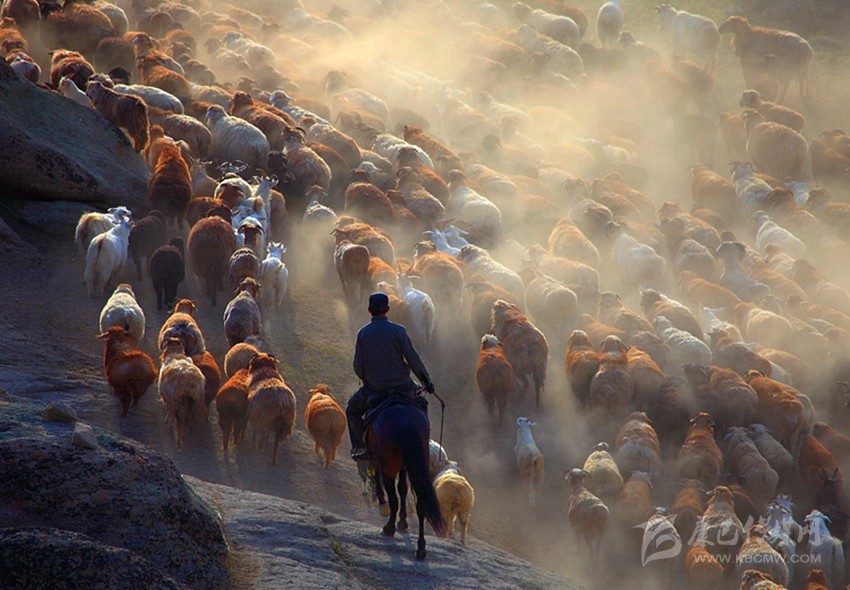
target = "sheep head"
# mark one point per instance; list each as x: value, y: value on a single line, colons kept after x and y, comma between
x: 320, y: 389
x: 262, y: 361
x: 171, y: 347
x: 249, y: 286
x: 579, y: 339
x: 735, y: 25
x: 186, y: 306
x: 489, y: 341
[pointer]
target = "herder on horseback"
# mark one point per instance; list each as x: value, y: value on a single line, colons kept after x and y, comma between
x: 383, y: 359
x: 399, y: 430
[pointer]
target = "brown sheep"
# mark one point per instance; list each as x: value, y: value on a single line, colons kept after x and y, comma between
x: 129, y: 371
x: 568, y: 241
x: 25, y: 13
x: 815, y: 461
x: 441, y: 275
x: 180, y: 324
x: 775, y: 113
x: 325, y: 422
x: 709, y: 294
x: 154, y: 73
x: 334, y: 139
x: 735, y: 356
x: 244, y: 264
x: 211, y: 243
x: 581, y: 363
x: 377, y: 240
x: 183, y: 128
x: 231, y: 404
x: 774, y: 148
x: 587, y: 514
x: 434, y: 148
x: 745, y: 460
x: 181, y: 388
x: 780, y: 411
x: 365, y: 200
x: 352, y: 266
x: 170, y: 186
x: 525, y: 346
x: 700, y: 457
x: 655, y: 304
x: 212, y: 374
x: 703, y: 570
x: 271, y: 403
x: 69, y: 64
x: 307, y: 166
x: 74, y: 25
x: 125, y: 111
x: 646, y: 375
x: 688, y: 506
x: 380, y: 271
x: 734, y: 132
x: 756, y: 554
x: 483, y: 295
x: 719, y: 525
x: 494, y: 376
x: 273, y: 124
x: 793, y: 51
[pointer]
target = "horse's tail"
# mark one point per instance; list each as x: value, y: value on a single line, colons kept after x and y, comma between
x: 427, y: 504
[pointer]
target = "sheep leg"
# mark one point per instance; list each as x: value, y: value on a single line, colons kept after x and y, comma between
x: 464, y: 526
x: 402, y: 494
x: 389, y: 488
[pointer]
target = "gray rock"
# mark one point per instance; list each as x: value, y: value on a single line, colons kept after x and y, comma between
x: 278, y: 543
x: 126, y: 495
x: 57, y: 149
x: 84, y: 437
x: 70, y: 561
x: 60, y: 412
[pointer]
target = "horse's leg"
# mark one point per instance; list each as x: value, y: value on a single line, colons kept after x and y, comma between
x: 389, y: 487
x: 420, y: 544
x: 402, y: 502
x: 378, y: 483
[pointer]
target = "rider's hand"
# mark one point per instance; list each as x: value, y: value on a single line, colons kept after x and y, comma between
x: 429, y: 387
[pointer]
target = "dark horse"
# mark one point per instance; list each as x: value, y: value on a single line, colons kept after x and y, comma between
x: 398, y: 439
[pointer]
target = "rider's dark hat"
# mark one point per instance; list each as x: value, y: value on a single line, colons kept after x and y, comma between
x: 378, y: 302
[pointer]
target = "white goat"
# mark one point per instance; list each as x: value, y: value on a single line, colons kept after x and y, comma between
x: 69, y: 90
x: 691, y: 33
x: 441, y: 242
x: 123, y: 310
x: 825, y: 551
x: 770, y: 232
x: 751, y: 189
x: 470, y: 207
x: 274, y: 276
x: 710, y: 322
x: 389, y: 146
x: 281, y: 100
x: 106, y: 257
x: 153, y: 96
x: 93, y: 223
x: 780, y: 527
x: 609, y: 23
x: 423, y: 318
x: 478, y: 260
x: 529, y: 459
x: 685, y: 349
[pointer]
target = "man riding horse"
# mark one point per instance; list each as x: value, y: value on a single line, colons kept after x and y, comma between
x: 383, y: 359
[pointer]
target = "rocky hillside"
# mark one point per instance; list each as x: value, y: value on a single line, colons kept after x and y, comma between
x: 102, y: 511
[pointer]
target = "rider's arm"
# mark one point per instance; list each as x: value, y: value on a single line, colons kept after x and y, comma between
x: 358, y: 360
x: 413, y: 361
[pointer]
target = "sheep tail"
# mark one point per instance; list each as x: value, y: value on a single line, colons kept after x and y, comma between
x: 416, y: 461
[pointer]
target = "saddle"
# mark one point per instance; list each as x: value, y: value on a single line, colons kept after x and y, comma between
x: 388, y: 400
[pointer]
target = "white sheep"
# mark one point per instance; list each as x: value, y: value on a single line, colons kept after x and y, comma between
x: 562, y: 58
x: 115, y: 14
x: 389, y: 146
x: 456, y: 498
x: 639, y: 263
x: 468, y: 206
x: 609, y: 23
x: 69, y: 90
x: 93, y: 223
x: 529, y: 459
x: 782, y: 534
x: 423, y: 318
x: 499, y: 111
x: 320, y: 214
x: 455, y: 236
x: 800, y: 189
x: 685, y: 349
x: 281, y: 100
x: 825, y: 552
x: 337, y: 84
x: 441, y: 242
x: 153, y: 96
x: 253, y: 52
x: 234, y: 138
x: 691, y: 33
x: 106, y: 257
x: 562, y: 29
x: 751, y: 189
x: 709, y: 322
x: 477, y: 260
x: 437, y: 458
x: 274, y: 276
x: 770, y: 232
x: 123, y: 310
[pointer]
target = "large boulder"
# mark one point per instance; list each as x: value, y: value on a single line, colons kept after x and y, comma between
x: 122, y: 494
x: 55, y: 149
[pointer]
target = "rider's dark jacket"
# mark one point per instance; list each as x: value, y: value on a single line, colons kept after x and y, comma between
x: 384, y: 357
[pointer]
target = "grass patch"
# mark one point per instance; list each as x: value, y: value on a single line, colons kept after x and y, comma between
x: 340, y: 552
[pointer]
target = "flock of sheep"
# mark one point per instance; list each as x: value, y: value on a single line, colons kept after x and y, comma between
x: 479, y: 190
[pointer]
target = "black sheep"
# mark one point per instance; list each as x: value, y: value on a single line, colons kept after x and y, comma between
x: 148, y: 234
x: 167, y: 269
